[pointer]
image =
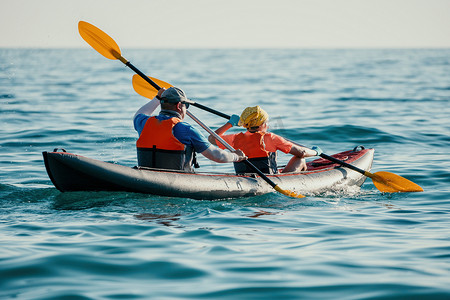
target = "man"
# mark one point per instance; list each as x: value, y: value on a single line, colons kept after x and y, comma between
x: 260, y: 145
x: 166, y: 142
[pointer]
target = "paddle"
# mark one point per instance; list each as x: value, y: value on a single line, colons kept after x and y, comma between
x: 107, y: 47
x: 383, y: 181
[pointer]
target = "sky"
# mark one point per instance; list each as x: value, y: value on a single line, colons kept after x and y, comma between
x: 229, y: 23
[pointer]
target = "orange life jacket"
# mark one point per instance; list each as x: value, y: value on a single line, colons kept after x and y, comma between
x: 157, y: 147
x: 253, y: 146
x: 159, y: 133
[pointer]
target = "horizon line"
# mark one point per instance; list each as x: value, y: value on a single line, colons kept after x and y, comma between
x: 239, y: 48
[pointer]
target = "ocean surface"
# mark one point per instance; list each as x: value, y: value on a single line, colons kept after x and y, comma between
x: 355, y: 243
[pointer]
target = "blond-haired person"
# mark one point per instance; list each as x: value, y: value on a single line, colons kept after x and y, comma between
x: 261, y: 146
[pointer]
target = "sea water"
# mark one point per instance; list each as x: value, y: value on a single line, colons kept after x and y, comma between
x: 346, y: 243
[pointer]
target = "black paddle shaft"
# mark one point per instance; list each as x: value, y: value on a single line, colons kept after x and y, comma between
x: 157, y: 87
x: 343, y: 163
x: 211, y: 110
x: 261, y: 174
x: 146, y: 78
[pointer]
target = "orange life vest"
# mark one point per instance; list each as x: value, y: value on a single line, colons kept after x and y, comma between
x: 253, y: 146
x: 157, y: 147
x: 252, y: 143
x: 159, y: 133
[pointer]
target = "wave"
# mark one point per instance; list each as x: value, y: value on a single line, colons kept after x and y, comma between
x: 371, y: 99
x: 358, y: 135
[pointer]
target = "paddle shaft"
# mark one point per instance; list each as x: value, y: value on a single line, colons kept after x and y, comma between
x: 157, y: 87
x: 343, y: 163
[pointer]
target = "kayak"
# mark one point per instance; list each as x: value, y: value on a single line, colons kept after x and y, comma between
x: 71, y: 172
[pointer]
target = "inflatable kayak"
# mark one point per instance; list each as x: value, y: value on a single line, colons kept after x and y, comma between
x: 71, y: 172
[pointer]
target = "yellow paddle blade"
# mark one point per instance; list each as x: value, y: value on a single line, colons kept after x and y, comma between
x: 143, y: 88
x: 288, y: 193
x: 99, y: 40
x: 391, y: 183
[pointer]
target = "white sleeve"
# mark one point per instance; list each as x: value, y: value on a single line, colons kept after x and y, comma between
x: 148, y: 108
x: 218, y: 155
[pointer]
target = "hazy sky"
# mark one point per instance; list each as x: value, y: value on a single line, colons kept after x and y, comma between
x: 229, y: 23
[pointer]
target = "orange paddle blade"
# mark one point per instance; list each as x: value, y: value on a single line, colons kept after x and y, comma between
x: 99, y: 40
x: 143, y: 88
x: 288, y: 193
x: 392, y: 183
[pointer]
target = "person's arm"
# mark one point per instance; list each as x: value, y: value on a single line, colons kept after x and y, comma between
x: 302, y: 151
x: 286, y: 146
x: 220, y: 131
x: 297, y: 151
x: 150, y: 107
x: 189, y: 135
x: 234, y: 120
x: 221, y: 156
